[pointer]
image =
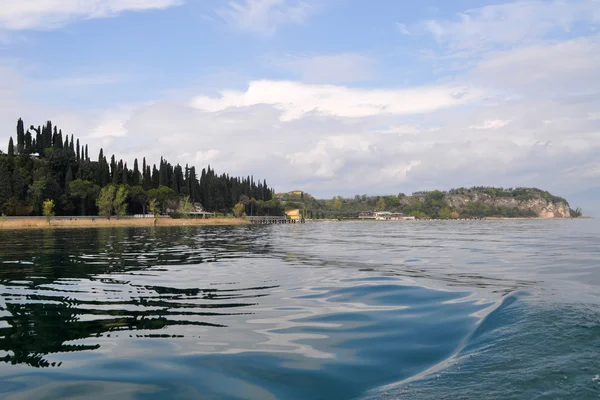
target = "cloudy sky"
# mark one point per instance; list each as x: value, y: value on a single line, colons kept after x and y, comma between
x: 329, y: 96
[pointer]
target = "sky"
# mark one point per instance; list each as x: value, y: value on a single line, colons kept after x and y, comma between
x: 327, y: 96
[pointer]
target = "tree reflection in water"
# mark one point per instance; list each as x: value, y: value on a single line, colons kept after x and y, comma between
x: 38, y: 316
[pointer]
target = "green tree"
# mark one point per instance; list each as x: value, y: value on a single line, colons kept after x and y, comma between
x: 434, y: 202
x: 154, y: 207
x: 445, y: 213
x: 380, y: 205
x: 138, y: 195
x: 238, y: 210
x: 163, y: 195
x: 337, y: 203
x: 36, y: 193
x: 81, y: 189
x: 418, y: 214
x: 119, y: 204
x: 48, y: 210
x: 576, y: 213
x: 105, y: 200
x: 185, y: 206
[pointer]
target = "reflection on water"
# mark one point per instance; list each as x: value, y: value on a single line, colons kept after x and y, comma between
x: 62, y: 286
x: 308, y: 311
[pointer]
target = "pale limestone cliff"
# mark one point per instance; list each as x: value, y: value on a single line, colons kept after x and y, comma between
x: 535, y: 202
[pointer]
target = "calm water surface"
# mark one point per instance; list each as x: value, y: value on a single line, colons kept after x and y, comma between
x: 445, y: 310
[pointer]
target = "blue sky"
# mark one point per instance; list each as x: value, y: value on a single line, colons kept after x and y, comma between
x: 333, y: 97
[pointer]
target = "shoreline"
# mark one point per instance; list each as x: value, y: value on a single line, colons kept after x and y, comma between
x: 16, y: 223
x: 448, y: 219
x: 101, y: 222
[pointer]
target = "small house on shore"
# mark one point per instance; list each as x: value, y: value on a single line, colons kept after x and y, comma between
x: 391, y: 216
x: 295, y: 215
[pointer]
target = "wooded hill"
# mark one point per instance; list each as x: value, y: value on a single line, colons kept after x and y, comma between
x: 44, y: 165
x: 474, y: 202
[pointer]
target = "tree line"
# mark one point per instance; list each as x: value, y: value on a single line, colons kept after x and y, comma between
x: 45, y: 165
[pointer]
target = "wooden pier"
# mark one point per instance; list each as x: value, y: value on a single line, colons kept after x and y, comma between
x: 266, y: 220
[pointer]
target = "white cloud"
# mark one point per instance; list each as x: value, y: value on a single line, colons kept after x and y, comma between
x: 491, y: 124
x: 109, y: 127
x: 50, y: 14
x: 403, y: 29
x: 511, y: 24
x: 330, y: 68
x: 398, y: 172
x: 296, y: 99
x: 264, y: 16
x: 544, y: 69
x: 206, y: 157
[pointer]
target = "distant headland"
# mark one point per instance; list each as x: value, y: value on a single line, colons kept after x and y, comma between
x: 462, y: 203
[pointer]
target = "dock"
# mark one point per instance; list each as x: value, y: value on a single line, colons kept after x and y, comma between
x: 266, y: 220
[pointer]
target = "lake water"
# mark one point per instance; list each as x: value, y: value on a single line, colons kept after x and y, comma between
x: 413, y: 310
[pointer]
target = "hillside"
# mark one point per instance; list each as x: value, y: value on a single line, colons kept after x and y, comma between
x: 476, y: 202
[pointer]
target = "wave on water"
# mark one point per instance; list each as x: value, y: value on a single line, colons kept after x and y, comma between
x: 522, y: 349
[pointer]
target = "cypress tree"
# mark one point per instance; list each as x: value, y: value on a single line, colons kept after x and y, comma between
x: 124, y: 179
x: 115, y: 177
x: 59, y: 139
x: 136, y: 173
x: 20, y: 137
x: 55, y: 138
x: 28, y: 143
x: 46, y: 140
x: 113, y: 170
x: 155, y: 177
x: 78, y: 154
x: 178, y: 181
x: 11, y: 147
x: 100, y: 169
x: 147, y: 179
x: 86, y: 153
x: 39, y: 143
x: 162, y: 177
x: 186, y: 180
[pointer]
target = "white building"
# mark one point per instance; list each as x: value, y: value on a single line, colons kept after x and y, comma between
x: 391, y: 216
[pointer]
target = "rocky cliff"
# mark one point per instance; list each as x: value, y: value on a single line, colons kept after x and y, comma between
x: 489, y: 202
x: 542, y: 207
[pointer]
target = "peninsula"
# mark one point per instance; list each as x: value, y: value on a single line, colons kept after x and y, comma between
x: 475, y: 202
